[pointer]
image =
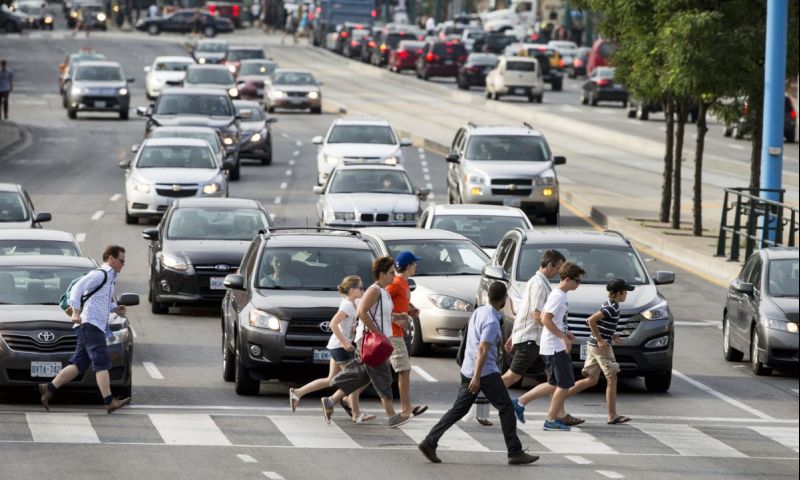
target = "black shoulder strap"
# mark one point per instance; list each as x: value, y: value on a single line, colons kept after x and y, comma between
x: 85, y: 298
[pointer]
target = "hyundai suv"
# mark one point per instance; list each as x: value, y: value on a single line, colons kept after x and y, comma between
x: 504, y: 165
x: 646, y: 327
x: 277, y: 309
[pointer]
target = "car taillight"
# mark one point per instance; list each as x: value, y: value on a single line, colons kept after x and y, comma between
x: 462, y: 58
x: 419, y: 52
x: 534, y: 36
x: 430, y: 57
x: 384, y: 47
x: 793, y: 114
x: 212, y: 9
x: 343, y: 34
x: 236, y: 10
x: 603, y: 82
x: 561, y: 63
x: 473, y: 69
x: 402, y: 53
x: 353, y: 43
x: 372, y: 44
x: 374, y: 13
x: 577, y: 63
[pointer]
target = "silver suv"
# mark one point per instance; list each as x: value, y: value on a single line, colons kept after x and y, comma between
x: 504, y: 165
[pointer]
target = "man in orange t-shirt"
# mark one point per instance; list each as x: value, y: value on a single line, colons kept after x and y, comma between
x: 406, y: 266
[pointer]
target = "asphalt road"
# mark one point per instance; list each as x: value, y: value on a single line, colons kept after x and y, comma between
x: 717, y: 421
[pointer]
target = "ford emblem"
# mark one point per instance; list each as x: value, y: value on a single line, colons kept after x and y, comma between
x: 325, y: 327
x: 46, y: 336
x: 222, y: 267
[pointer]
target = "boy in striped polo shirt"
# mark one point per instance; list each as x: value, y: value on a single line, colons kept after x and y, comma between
x: 599, y: 354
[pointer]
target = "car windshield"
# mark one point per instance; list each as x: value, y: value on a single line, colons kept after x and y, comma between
x: 601, y: 262
x: 35, y: 285
x: 442, y: 257
x: 370, y: 181
x: 214, y: 76
x: 256, y: 113
x: 82, y: 57
x: 210, y: 137
x: 293, y: 78
x: 485, y: 230
x: 372, y: 134
x: 236, y: 55
x: 29, y: 9
x: 99, y: 74
x: 523, y: 148
x: 188, y: 223
x: 409, y: 46
x: 783, y: 278
x: 176, y: 157
x: 37, y: 247
x: 215, y: 47
x: 518, y: 66
x: 172, y: 66
x: 258, y: 68
x: 214, y: 105
x: 311, y: 268
x: 12, y: 207
x: 482, y: 59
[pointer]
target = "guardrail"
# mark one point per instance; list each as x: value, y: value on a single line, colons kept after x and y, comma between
x: 755, y: 220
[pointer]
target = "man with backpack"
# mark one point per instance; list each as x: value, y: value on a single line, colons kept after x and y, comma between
x: 90, y: 301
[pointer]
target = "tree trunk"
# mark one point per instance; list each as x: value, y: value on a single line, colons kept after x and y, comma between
x: 666, y: 185
x: 697, y: 206
x: 755, y: 104
x: 678, y: 160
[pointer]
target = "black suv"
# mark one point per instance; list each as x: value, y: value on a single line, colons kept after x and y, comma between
x: 277, y: 310
x: 646, y: 326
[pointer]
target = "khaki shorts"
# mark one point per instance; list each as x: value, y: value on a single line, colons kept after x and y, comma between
x: 399, y: 359
x: 600, y: 360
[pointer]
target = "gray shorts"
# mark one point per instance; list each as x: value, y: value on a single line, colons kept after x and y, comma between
x: 400, y: 360
x: 559, y: 370
x: 356, y: 375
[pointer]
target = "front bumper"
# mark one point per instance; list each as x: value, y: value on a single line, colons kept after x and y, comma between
x: 440, y: 326
x: 531, y: 200
x: 190, y: 286
x: 442, y: 70
x: 524, y: 90
x: 100, y: 103
x: 782, y: 349
x: 153, y: 204
x: 299, y: 103
x: 262, y: 148
x: 282, y: 355
x: 364, y: 224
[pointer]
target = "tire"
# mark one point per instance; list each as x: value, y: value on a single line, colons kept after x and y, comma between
x: 462, y: 85
x: 228, y: 359
x: 758, y: 367
x: 790, y: 136
x: 270, y: 109
x: 551, y: 218
x: 243, y: 382
x: 730, y: 353
x: 72, y: 113
x: 558, y: 85
x: 153, y: 29
x: 123, y: 114
x: 539, y: 98
x: 209, y: 32
x: 495, y: 96
x: 267, y: 160
x: 316, y: 110
x: 727, y: 131
x: 236, y: 173
x: 737, y: 132
x: 658, y: 383
x: 130, y: 219
x: 64, y: 101
x: 418, y: 347
x: 631, y: 113
x: 624, y: 104
x: 488, y: 94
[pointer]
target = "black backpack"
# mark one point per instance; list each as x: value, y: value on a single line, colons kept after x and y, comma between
x: 462, y: 347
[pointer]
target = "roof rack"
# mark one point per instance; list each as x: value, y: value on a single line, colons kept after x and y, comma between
x: 271, y: 231
x: 528, y: 125
x: 619, y: 234
x: 471, y: 124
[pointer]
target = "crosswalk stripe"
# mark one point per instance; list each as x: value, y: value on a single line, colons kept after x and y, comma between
x: 453, y: 439
x: 61, y: 428
x: 786, y: 436
x: 312, y: 432
x: 188, y: 429
x: 687, y: 440
x: 574, y: 441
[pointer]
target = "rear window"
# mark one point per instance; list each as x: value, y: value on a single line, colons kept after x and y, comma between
x: 394, y: 38
x: 449, y: 50
x: 521, y: 66
x: 245, y: 54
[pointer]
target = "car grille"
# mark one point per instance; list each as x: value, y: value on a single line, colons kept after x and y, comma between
x: 186, y: 190
x: 90, y: 99
x: 296, y: 94
x: 512, y: 186
x: 512, y: 181
x: 29, y: 343
x: 103, y: 91
x: 204, y: 274
x: 362, y: 159
x: 306, y: 332
x: 580, y: 327
x: 370, y: 217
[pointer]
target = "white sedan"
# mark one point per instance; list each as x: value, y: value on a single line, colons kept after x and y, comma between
x: 165, y: 72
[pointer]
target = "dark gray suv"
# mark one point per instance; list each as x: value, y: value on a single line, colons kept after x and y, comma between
x: 646, y: 326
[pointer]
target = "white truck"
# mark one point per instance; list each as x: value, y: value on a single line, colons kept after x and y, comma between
x: 519, y: 13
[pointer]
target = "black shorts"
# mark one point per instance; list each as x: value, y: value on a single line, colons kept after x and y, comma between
x: 526, y: 355
x: 92, y: 349
x: 559, y: 370
x: 340, y: 355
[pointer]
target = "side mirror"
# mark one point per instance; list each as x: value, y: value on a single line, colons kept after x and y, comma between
x: 412, y: 285
x: 142, y: 111
x: 234, y: 281
x: 317, y: 140
x: 42, y: 217
x: 494, y: 272
x: 318, y: 189
x: 423, y: 193
x: 271, y: 120
x: 150, y: 234
x: 664, y: 278
x: 130, y: 79
x: 745, y: 288
x: 135, y: 148
x: 452, y: 158
x: 128, y: 299
x: 406, y: 142
x: 147, y: 68
x: 559, y: 160
x: 124, y: 164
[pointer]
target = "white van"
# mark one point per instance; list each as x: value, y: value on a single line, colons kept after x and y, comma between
x: 516, y: 76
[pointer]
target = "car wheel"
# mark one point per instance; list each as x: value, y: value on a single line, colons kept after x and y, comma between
x: 631, y: 112
x: 727, y: 131
x: 558, y: 85
x: 270, y: 109
x: 267, y: 159
x: 658, y: 383
x: 316, y: 110
x: 624, y: 104
x: 209, y: 32
x: 64, y: 101
x: 531, y: 98
x: 418, y: 347
x: 790, y: 136
x: 130, y: 219
x: 737, y: 132
x: 730, y: 353
x: 539, y: 99
x: 243, y: 382
x: 236, y: 172
x: 758, y: 367
x: 551, y: 218
x: 123, y: 114
x: 72, y: 113
x: 488, y: 94
x: 153, y: 29
x: 228, y: 359
x: 592, y: 99
x: 156, y: 307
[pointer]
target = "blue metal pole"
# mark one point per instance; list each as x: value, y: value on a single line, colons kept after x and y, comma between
x: 774, y: 81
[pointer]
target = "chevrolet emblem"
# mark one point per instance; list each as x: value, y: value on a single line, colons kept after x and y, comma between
x: 512, y: 187
x: 176, y: 188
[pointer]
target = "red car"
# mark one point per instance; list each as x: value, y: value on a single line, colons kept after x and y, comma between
x: 404, y: 57
x: 440, y: 59
x: 601, y: 51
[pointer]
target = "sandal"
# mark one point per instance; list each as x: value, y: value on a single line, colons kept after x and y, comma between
x: 571, y: 421
x: 419, y: 410
x: 346, y: 407
x: 294, y: 400
x: 619, y: 419
x: 363, y: 418
x: 327, y: 409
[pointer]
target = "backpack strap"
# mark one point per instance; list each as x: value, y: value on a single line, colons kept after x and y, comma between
x: 85, y: 297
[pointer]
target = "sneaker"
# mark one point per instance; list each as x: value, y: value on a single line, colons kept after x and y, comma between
x: 519, y: 410
x: 327, y: 409
x: 556, y: 426
x: 398, y: 419
x: 522, y: 458
x: 116, y: 404
x: 429, y: 452
x: 45, y: 396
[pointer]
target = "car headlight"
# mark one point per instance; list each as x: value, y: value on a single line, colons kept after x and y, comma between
x: 261, y: 319
x: 232, y: 68
x: 141, y: 187
x: 228, y: 141
x: 233, y: 92
x: 332, y: 159
x: 541, y: 181
x: 344, y: 215
x: 201, y: 60
x: 101, y: 17
x: 174, y: 262
x: 48, y: 19
x: 211, y: 188
x: 475, y: 179
x: 658, y: 312
x: 405, y: 217
x: 256, y: 137
x: 118, y: 336
x: 447, y: 302
x: 391, y: 161
x: 779, y: 324
x: 277, y: 94
x: 73, y: 14
x: 123, y: 91
x: 313, y: 95
x: 75, y: 91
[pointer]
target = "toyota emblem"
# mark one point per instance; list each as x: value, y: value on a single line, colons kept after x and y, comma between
x: 222, y: 267
x: 325, y: 327
x: 46, y: 336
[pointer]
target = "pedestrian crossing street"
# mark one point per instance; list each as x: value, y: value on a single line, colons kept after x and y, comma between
x: 311, y: 431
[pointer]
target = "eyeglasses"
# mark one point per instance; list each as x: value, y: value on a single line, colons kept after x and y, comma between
x: 576, y: 280
x: 120, y: 260
x: 360, y: 287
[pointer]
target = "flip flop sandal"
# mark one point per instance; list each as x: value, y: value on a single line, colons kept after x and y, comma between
x: 327, y: 410
x: 619, y: 419
x: 572, y: 421
x: 294, y: 400
x: 346, y: 407
x: 363, y: 418
x: 419, y: 410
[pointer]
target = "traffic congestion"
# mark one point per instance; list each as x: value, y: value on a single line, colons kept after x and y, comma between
x: 270, y: 256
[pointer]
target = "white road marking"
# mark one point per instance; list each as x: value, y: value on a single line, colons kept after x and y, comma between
x: 311, y: 432
x: 737, y: 147
x: 786, y: 436
x: 273, y: 476
x: 296, y: 153
x: 278, y: 200
x: 426, y: 177
x: 421, y: 150
x: 701, y: 323
x: 288, y: 173
x: 569, y: 109
x: 429, y: 185
x: 422, y: 373
x: 578, y: 459
x: 687, y: 440
x: 299, y: 143
x: 574, y: 441
x: 424, y: 163
x: 722, y: 396
x: 188, y: 429
x: 116, y: 197
x: 425, y: 170
x: 246, y: 458
x: 284, y: 135
x: 80, y: 237
x: 61, y: 428
x: 454, y: 439
x: 152, y: 370
x: 610, y: 474
x: 284, y: 185
x: 98, y: 214
x: 291, y: 163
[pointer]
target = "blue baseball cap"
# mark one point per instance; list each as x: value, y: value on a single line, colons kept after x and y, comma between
x: 404, y: 259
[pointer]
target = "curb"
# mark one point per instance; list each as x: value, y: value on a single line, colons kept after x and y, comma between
x: 15, y: 136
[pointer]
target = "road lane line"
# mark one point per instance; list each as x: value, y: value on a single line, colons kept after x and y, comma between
x: 288, y: 173
x: 152, y: 370
x: 246, y: 458
x: 61, y: 428
x: 722, y: 396
x: 311, y: 432
x: 422, y: 373
x: 796, y: 391
x: 299, y: 143
x: 273, y: 476
x: 737, y: 147
x: 786, y: 436
x: 574, y: 441
x: 291, y: 163
x: 578, y: 459
x: 98, y: 214
x: 284, y: 135
x: 278, y: 200
x: 426, y: 177
x: 610, y: 474
x: 424, y: 163
x: 425, y: 170
x: 188, y: 429
x: 421, y: 150
x: 80, y: 237
x: 454, y: 439
x: 296, y: 153
x: 687, y: 440
x: 284, y: 185
x: 116, y: 197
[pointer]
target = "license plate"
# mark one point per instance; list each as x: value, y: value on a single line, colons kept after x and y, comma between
x: 45, y: 369
x: 519, y: 91
x: 617, y: 87
x: 448, y: 62
x: 512, y: 202
x: 583, y: 351
x: 260, y: 92
x: 99, y: 104
x: 216, y: 283
x: 322, y: 356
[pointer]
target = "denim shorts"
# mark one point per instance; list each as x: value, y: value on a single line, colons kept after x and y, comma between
x: 559, y: 370
x: 340, y: 355
x: 92, y: 349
